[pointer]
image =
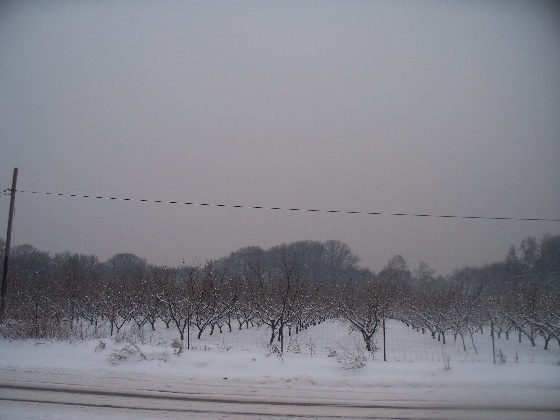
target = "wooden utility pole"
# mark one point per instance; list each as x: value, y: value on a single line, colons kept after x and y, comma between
x: 7, y: 250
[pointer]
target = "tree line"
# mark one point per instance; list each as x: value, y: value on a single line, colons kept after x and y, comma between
x: 285, y: 289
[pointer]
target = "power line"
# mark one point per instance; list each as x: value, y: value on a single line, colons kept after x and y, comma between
x: 370, y: 213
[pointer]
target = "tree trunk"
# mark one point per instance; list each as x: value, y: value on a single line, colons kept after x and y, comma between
x: 112, y: 321
x: 189, y: 332
x: 273, y: 328
x: 36, y: 320
x: 493, y: 345
x: 367, y: 339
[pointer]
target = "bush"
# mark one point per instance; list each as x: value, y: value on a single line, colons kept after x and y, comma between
x: 501, y: 358
x: 126, y: 353
x: 101, y: 346
x: 178, y: 346
x: 351, y: 359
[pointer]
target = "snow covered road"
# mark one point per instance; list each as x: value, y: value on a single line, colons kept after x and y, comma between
x: 48, y: 394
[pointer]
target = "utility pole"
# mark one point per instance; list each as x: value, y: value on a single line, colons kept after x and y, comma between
x: 7, y: 250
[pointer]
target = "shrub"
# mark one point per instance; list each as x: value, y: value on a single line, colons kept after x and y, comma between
x: 178, y: 346
x: 351, y: 359
x: 501, y: 357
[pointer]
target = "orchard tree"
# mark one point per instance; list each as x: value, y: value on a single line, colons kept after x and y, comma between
x: 364, y: 305
x: 216, y: 296
x: 177, y: 297
x: 281, y: 293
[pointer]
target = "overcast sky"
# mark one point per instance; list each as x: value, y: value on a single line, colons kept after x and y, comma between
x: 415, y: 107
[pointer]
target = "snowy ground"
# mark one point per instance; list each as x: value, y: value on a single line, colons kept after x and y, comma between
x: 224, y: 370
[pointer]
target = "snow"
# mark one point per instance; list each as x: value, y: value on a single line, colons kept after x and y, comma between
x: 240, y: 363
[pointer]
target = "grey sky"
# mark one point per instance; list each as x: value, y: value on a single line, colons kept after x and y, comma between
x: 420, y: 107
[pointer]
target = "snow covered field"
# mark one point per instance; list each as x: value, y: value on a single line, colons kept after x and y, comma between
x: 238, y: 366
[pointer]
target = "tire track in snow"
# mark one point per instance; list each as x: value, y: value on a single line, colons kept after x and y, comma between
x: 186, y: 403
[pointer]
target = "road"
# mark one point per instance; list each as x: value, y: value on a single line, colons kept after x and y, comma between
x: 39, y: 400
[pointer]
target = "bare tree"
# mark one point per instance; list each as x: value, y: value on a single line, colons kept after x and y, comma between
x: 364, y: 305
x: 339, y: 260
x: 216, y: 297
x: 176, y: 297
x: 280, y: 294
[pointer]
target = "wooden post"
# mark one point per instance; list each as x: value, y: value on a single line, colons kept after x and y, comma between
x: 7, y: 250
x: 384, y: 352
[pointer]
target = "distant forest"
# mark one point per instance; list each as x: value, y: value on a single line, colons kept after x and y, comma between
x: 285, y: 288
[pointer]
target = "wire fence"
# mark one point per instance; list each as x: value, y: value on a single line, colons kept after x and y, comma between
x: 329, y: 338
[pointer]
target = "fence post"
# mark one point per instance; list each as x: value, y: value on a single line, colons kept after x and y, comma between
x: 384, y: 352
